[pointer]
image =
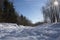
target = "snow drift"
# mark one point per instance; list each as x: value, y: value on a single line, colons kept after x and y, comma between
x: 9, y: 31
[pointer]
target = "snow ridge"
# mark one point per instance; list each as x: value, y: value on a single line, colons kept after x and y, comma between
x: 9, y: 31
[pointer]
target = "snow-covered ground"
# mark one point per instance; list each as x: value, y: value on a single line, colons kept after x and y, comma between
x: 9, y: 31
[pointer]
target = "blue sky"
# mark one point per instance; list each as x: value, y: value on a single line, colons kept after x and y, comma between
x: 32, y: 9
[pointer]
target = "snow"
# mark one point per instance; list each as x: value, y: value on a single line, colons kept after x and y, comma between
x: 10, y: 31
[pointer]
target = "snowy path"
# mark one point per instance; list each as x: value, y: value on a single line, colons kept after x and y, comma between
x: 42, y: 32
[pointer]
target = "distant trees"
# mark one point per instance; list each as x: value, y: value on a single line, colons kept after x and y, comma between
x: 38, y: 23
x: 22, y: 20
x: 51, y: 12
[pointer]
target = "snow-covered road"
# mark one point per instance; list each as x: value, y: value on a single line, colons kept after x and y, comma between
x: 9, y: 31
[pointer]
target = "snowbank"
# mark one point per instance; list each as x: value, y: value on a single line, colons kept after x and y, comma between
x: 9, y: 31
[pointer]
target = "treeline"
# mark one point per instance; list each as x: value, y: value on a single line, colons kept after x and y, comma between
x: 22, y: 20
x: 38, y: 23
x: 9, y: 15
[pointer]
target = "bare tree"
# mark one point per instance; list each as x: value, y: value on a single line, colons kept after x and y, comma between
x: 51, y: 10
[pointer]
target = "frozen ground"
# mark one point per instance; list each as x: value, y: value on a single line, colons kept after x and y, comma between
x: 9, y: 31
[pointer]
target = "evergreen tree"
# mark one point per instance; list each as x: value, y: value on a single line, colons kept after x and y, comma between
x: 9, y: 14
